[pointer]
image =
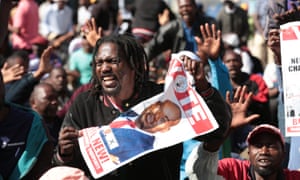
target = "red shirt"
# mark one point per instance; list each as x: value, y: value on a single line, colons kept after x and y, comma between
x: 26, y: 18
x: 235, y: 169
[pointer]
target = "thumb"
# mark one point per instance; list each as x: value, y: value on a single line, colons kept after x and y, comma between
x: 198, y: 40
x: 5, y: 65
x: 80, y: 133
x: 252, y: 117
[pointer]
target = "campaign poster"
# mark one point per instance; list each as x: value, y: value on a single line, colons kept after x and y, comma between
x: 290, y: 60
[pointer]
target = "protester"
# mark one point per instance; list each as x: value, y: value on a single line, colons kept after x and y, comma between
x: 120, y: 82
x: 19, y: 91
x: 266, y: 155
x: 80, y: 64
x: 58, y: 27
x: 259, y: 47
x: 44, y: 101
x: 233, y: 19
x: 260, y: 99
x: 22, y: 30
x: 179, y: 34
x: 58, y: 80
x: 266, y: 150
x: 26, y: 148
x: 23, y: 154
x: 145, y: 21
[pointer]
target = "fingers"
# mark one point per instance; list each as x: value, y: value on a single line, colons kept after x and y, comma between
x: 203, y: 32
x: 208, y: 30
x: 100, y: 32
x: 80, y: 133
x: 237, y: 94
x: 5, y: 65
x: 88, y: 26
x: 47, y: 53
x: 67, y: 140
x: 68, y: 133
x: 214, y: 31
x: 17, y: 70
x: 198, y: 40
x: 252, y: 117
x: 228, y: 98
x: 93, y: 23
x: 190, y: 65
x: 219, y: 35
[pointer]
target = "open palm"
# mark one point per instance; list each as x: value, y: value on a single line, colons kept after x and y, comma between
x: 211, y: 43
x: 91, y: 32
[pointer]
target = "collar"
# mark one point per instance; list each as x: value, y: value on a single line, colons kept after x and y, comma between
x: 126, y: 104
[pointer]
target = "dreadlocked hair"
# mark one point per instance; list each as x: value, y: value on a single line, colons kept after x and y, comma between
x: 133, y: 53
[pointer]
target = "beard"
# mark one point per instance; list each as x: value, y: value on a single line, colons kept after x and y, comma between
x: 112, y: 91
x: 264, y: 172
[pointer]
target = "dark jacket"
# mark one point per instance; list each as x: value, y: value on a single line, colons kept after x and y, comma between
x: 19, y: 91
x: 171, y: 36
x: 89, y: 110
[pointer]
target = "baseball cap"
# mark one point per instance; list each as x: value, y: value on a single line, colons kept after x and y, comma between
x: 265, y: 128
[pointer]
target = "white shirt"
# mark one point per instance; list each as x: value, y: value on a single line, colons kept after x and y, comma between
x: 57, y: 21
x: 83, y: 15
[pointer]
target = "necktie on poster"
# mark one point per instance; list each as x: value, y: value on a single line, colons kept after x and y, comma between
x: 127, y: 138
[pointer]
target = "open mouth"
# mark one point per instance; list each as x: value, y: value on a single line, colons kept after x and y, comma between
x: 109, y: 81
x: 264, y: 162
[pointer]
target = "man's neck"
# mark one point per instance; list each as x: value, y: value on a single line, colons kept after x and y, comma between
x: 271, y: 177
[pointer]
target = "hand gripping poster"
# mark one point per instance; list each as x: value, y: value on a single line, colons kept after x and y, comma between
x: 182, y: 110
x: 290, y: 60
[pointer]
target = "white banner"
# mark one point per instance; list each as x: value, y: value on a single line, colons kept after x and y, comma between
x: 128, y: 137
x: 290, y: 60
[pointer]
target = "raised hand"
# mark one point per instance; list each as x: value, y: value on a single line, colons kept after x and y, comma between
x: 91, y: 32
x: 211, y: 43
x: 196, y: 69
x: 288, y: 16
x: 45, y: 65
x: 12, y: 73
x: 274, y: 44
x: 239, y: 106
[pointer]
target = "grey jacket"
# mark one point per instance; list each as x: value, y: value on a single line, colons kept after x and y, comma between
x: 275, y: 7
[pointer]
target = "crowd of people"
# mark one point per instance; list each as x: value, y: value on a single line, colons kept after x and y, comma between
x: 70, y: 65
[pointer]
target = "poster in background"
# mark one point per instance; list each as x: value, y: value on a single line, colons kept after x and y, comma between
x: 290, y: 60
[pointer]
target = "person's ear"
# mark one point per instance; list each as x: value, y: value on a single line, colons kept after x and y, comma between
x: 33, y: 104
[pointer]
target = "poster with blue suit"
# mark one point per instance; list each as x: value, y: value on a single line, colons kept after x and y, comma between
x: 151, y: 125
